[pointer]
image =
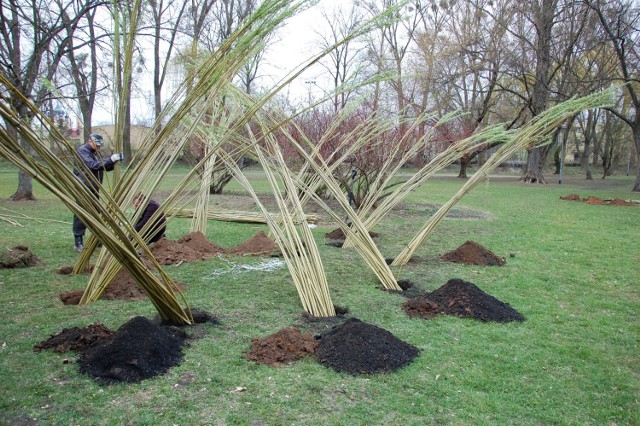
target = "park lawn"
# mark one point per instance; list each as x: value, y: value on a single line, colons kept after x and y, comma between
x: 571, y: 270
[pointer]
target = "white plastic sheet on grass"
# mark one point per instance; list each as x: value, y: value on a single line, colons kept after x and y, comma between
x: 266, y: 265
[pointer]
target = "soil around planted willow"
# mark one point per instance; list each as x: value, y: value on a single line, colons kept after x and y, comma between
x: 190, y: 248
x: 461, y: 299
x: 140, y: 349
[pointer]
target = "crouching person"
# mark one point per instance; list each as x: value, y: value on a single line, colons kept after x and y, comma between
x: 159, y: 226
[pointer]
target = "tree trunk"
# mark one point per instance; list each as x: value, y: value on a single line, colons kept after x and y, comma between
x: 533, y: 172
x: 464, y: 164
x: 87, y: 117
x: 25, y: 183
x: 544, y: 21
x: 25, y: 188
x: 636, y: 139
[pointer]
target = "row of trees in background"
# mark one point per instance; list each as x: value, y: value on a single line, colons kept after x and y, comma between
x: 499, y: 61
x: 507, y: 61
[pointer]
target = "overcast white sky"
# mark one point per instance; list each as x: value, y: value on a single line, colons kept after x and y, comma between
x: 299, y: 41
x: 295, y: 43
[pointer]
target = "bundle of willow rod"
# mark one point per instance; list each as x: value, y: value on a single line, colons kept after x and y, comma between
x: 534, y: 133
x: 454, y: 152
x: 103, y: 217
x: 209, y: 81
x: 161, y: 149
x: 363, y: 241
x: 296, y: 242
x: 234, y: 215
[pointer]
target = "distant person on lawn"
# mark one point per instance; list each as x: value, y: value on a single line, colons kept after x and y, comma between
x: 160, y: 223
x: 91, y: 174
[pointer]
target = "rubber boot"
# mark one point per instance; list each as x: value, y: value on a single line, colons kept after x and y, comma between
x: 79, y: 246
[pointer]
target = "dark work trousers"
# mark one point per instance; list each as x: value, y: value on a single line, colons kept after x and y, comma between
x: 79, y: 228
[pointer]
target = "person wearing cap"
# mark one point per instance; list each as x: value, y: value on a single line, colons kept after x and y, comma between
x: 91, y: 173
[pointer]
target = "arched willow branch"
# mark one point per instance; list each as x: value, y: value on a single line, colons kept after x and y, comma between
x: 534, y: 133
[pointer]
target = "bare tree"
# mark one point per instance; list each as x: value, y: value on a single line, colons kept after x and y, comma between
x: 34, y: 40
x: 543, y: 35
x: 619, y: 20
x: 165, y: 18
x: 536, y: 43
x: 227, y: 17
x: 83, y: 59
x: 343, y: 63
x: 610, y: 150
x: 471, y: 64
x: 393, y: 43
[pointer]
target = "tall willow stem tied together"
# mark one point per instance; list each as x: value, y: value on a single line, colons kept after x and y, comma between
x: 104, y: 217
x: 290, y: 230
x: 534, y: 133
x: 371, y: 213
x: 207, y: 86
x: 322, y: 173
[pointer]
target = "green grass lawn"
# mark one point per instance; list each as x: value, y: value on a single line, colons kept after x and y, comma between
x: 572, y: 270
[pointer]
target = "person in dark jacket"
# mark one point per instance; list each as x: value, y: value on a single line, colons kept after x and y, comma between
x: 91, y: 172
x: 159, y: 222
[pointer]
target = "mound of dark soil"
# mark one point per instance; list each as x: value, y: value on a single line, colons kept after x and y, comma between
x: 284, y: 347
x: 199, y: 243
x: 140, y: 349
x: 621, y: 202
x: 258, y: 245
x: 76, y: 339
x: 462, y: 299
x: 356, y: 348
x: 169, y: 252
x: 18, y: 257
x: 472, y: 253
x: 594, y: 200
